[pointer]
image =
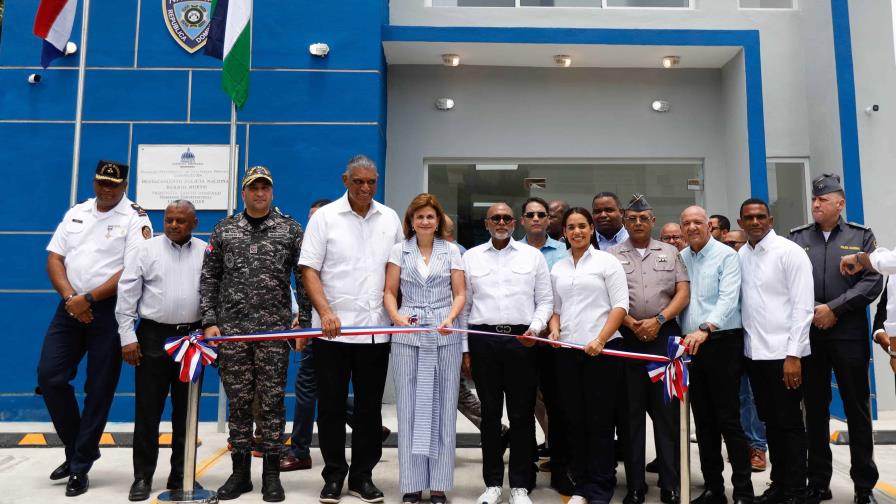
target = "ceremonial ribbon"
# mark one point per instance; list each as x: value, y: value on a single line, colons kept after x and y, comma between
x: 674, y: 372
x: 192, y: 353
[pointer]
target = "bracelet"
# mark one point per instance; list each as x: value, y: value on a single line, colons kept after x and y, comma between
x: 69, y: 297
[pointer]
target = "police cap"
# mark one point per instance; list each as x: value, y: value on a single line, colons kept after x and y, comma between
x: 827, y: 183
x: 111, y: 171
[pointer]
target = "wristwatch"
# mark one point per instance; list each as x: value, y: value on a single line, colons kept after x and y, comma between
x: 661, y: 319
x: 705, y: 328
x: 892, y: 353
x: 89, y: 298
x: 69, y: 297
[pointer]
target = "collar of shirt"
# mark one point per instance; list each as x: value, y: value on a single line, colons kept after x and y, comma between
x: 549, y: 243
x: 121, y: 207
x: 617, y: 238
x: 175, y: 246
x: 764, y: 243
x: 343, y: 206
x: 513, y: 244
x: 705, y: 251
x: 627, y: 246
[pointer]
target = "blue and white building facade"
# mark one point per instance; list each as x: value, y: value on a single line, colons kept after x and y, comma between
x: 764, y: 95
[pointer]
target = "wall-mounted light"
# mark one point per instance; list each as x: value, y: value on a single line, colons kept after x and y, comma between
x: 451, y: 60
x: 563, y: 60
x: 444, y: 104
x: 70, y: 48
x: 319, y: 49
x: 660, y: 106
x: 671, y: 61
x: 34, y: 79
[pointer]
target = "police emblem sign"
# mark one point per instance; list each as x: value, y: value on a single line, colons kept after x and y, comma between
x: 187, y: 21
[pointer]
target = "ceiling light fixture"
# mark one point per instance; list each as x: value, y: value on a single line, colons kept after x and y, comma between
x: 451, y: 60
x: 563, y: 60
x: 444, y: 104
x: 671, y: 61
x: 660, y: 106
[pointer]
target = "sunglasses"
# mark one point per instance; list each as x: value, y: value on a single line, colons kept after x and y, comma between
x: 532, y: 215
x: 638, y: 218
x: 507, y: 219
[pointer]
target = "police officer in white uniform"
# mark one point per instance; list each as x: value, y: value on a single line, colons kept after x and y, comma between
x: 85, y: 260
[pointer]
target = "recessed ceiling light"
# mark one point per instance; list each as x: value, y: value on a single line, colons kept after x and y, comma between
x: 671, y: 61
x: 660, y: 106
x: 451, y: 60
x: 563, y: 60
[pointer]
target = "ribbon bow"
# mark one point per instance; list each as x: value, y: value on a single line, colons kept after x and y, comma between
x: 674, y: 372
x: 192, y: 353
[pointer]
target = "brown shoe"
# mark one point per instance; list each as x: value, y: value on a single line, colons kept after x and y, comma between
x: 757, y: 460
x: 291, y: 463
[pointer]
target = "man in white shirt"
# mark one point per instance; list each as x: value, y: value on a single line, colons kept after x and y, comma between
x: 344, y: 257
x: 84, y: 262
x: 777, y: 305
x: 160, y: 286
x: 508, y: 291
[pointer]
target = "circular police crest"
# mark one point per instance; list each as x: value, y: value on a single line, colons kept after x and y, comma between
x: 229, y: 260
x: 194, y: 15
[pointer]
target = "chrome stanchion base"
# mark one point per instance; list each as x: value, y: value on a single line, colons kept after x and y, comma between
x: 197, y: 496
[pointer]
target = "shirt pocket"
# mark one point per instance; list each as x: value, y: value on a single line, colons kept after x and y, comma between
x: 74, y: 227
x: 627, y: 266
x: 522, y: 268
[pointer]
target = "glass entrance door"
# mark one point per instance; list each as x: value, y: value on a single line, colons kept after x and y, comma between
x: 466, y: 190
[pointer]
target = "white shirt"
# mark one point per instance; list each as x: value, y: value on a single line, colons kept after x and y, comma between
x: 509, y: 286
x: 350, y: 251
x: 585, y: 293
x: 884, y: 261
x: 454, y: 257
x: 890, y: 323
x: 160, y: 283
x: 777, y: 298
x: 96, y: 243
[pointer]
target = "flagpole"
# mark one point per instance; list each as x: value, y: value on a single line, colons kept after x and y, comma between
x: 233, y: 170
x: 79, y: 106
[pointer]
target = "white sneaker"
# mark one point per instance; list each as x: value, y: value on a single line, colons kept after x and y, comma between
x: 519, y: 496
x: 577, y: 499
x: 491, y: 495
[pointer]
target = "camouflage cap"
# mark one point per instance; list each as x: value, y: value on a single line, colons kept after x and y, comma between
x: 255, y: 173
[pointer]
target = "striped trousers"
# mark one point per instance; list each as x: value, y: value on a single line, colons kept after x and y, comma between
x: 421, y: 472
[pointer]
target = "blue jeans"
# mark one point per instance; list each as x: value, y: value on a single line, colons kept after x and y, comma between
x: 306, y: 405
x: 749, y: 418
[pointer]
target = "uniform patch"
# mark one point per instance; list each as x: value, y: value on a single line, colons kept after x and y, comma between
x: 849, y: 247
x: 140, y: 211
x: 209, y: 249
x: 79, y: 221
x: 233, y: 234
x: 229, y: 260
x: 147, y: 232
x: 253, y: 249
x: 277, y: 233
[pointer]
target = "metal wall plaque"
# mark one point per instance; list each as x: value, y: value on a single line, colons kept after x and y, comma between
x: 188, y: 21
x: 193, y: 172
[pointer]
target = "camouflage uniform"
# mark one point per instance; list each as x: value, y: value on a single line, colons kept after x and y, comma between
x: 245, y: 289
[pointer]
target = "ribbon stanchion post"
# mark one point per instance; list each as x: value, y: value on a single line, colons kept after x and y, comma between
x: 193, y: 355
x: 684, y: 422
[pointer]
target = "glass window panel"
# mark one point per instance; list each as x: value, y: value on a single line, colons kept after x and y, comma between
x: 787, y: 195
x: 648, y: 3
x: 766, y: 4
x: 474, y: 3
x: 560, y: 3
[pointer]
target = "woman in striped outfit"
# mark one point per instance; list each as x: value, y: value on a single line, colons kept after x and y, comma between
x: 428, y: 272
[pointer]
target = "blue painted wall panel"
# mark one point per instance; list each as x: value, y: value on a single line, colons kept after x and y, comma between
x: 23, y: 265
x: 350, y: 27
x: 111, y: 33
x: 135, y: 95
x: 209, y: 102
x: 53, y: 99
x: 49, y: 180
x: 100, y: 141
x: 24, y: 318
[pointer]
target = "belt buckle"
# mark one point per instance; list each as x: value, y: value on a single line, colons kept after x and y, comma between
x: 182, y: 327
x: 503, y: 329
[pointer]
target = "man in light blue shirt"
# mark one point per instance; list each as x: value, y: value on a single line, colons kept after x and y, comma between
x: 535, y: 221
x: 715, y: 340
x: 607, y: 213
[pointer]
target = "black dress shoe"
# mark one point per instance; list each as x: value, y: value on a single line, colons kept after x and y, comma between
x: 652, y: 467
x: 743, y: 500
x: 77, y: 484
x: 710, y: 496
x: 366, y: 491
x: 331, y: 493
x: 670, y: 496
x: 563, y: 485
x: 772, y: 495
x: 60, y: 472
x: 140, y: 490
x: 815, y: 495
x: 634, y: 497
x: 864, y: 497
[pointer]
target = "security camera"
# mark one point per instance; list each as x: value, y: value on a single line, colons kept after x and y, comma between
x: 34, y: 79
x: 70, y: 48
x: 319, y: 49
x: 872, y: 109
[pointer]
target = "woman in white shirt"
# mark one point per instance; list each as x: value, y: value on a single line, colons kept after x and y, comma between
x: 590, y: 302
x: 428, y: 272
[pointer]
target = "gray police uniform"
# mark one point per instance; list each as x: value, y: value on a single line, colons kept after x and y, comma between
x: 245, y: 288
x: 844, y: 348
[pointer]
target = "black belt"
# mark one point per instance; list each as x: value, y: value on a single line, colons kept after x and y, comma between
x: 501, y: 328
x: 177, y: 329
x: 727, y: 332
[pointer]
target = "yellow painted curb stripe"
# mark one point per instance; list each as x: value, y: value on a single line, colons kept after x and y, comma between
x: 165, y: 438
x: 886, y: 488
x: 33, y: 439
x: 107, y: 439
x: 209, y: 462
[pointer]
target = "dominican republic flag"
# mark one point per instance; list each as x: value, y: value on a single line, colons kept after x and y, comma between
x: 228, y: 40
x: 53, y: 23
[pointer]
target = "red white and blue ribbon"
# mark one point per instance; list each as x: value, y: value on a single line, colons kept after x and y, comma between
x: 192, y: 353
x: 674, y: 372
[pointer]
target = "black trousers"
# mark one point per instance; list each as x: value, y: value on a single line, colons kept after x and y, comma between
x: 548, y: 383
x: 644, y: 396
x: 589, y: 390
x: 65, y: 344
x: 503, y: 366
x: 715, y: 375
x: 153, y: 378
x: 336, y: 363
x: 849, y: 361
x: 780, y: 409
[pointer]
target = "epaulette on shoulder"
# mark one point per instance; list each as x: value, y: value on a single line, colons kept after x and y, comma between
x: 800, y: 228
x: 857, y: 225
x: 139, y: 209
x: 280, y: 212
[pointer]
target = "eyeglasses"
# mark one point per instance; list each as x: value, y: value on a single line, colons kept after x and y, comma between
x: 632, y: 219
x: 532, y: 215
x: 497, y: 219
x: 668, y: 238
x: 732, y: 243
